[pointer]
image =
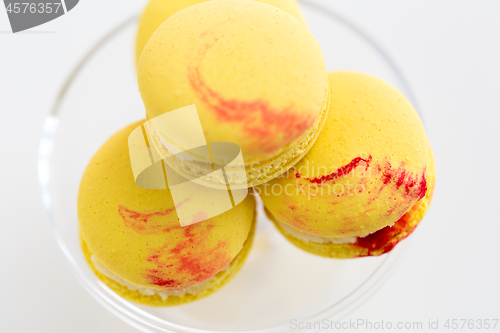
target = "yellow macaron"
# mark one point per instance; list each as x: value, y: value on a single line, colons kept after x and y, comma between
x: 157, y: 11
x: 256, y: 75
x: 132, y: 239
x: 368, y: 168
x: 375, y: 244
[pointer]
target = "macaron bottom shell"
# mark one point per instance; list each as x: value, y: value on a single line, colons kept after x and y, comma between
x: 221, y: 279
x: 377, y: 243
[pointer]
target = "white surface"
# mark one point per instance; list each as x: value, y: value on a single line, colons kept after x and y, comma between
x: 448, y: 50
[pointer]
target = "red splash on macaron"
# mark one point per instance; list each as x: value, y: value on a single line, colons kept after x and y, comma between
x: 178, y: 265
x: 279, y: 125
x: 342, y: 171
x: 191, y: 259
x: 387, y: 238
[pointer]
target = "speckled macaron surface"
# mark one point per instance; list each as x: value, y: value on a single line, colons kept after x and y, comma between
x: 157, y: 11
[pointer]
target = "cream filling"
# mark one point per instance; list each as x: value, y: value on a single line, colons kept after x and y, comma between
x: 315, y: 239
x: 164, y: 294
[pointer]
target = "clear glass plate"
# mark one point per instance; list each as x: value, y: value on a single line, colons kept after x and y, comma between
x: 279, y: 284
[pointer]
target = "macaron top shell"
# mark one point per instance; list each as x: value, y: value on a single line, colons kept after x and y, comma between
x: 135, y: 232
x: 366, y: 169
x: 157, y: 11
x: 256, y: 75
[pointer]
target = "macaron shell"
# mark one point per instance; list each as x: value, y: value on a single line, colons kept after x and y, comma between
x: 366, y: 169
x: 381, y: 241
x: 256, y: 75
x: 157, y: 11
x: 135, y: 232
x: 222, y: 278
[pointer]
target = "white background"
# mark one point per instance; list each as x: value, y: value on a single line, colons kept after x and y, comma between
x: 449, y: 51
